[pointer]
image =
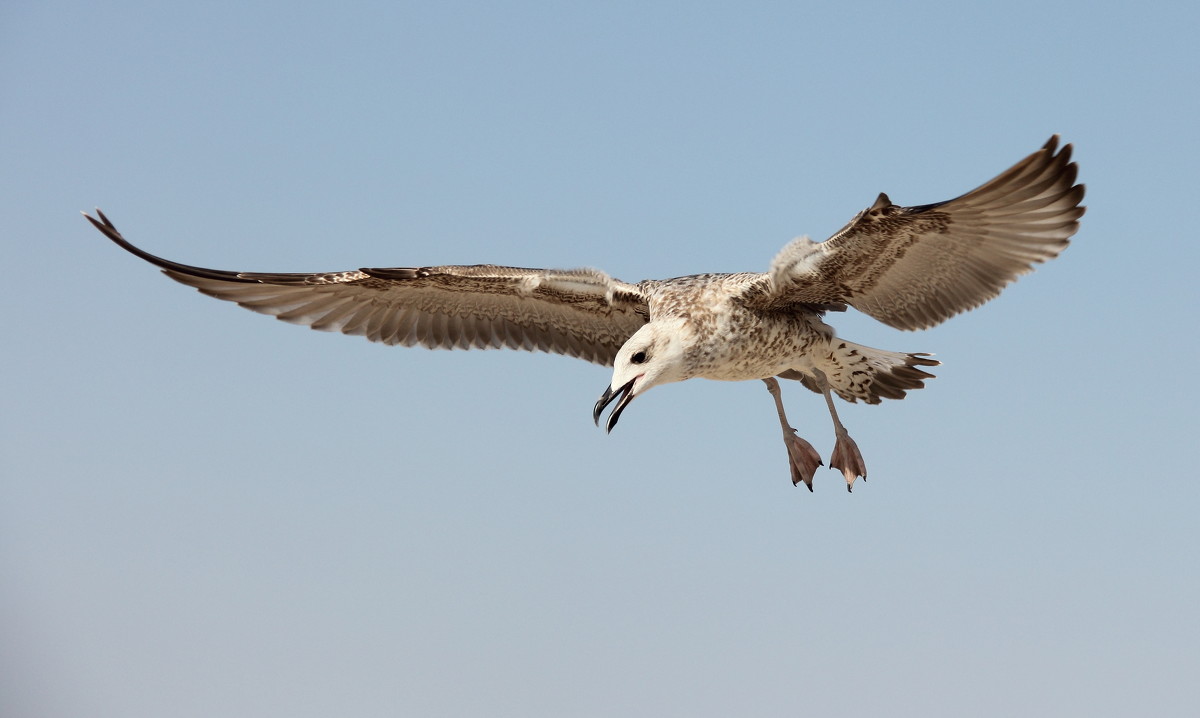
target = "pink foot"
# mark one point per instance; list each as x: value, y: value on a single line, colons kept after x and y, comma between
x: 803, y: 459
x: 847, y: 459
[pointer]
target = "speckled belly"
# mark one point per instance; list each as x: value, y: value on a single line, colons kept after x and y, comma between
x: 745, y: 346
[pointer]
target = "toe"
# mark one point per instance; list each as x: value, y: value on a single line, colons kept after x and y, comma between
x: 848, y: 459
x: 803, y: 460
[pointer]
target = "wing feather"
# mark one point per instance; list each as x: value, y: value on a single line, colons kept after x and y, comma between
x: 915, y: 267
x: 582, y: 313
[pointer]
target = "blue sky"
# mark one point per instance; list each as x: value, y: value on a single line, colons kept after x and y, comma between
x: 206, y: 512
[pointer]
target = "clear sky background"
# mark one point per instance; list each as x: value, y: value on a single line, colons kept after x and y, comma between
x: 204, y: 512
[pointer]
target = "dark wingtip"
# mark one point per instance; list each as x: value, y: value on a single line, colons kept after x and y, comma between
x: 105, y: 226
x: 108, y: 229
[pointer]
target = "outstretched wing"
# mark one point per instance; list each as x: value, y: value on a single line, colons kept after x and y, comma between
x: 582, y: 313
x: 914, y: 267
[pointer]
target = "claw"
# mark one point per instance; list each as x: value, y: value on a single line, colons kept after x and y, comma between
x: 847, y: 459
x: 803, y: 459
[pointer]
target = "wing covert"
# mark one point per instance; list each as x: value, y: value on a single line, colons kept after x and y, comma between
x: 582, y: 313
x: 915, y: 267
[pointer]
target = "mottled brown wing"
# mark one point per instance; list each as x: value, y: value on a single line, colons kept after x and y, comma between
x: 914, y: 267
x: 582, y: 313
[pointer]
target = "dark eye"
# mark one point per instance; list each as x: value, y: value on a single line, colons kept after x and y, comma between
x: 638, y: 358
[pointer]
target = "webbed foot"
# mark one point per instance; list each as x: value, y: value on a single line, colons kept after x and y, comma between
x: 847, y: 459
x: 803, y: 459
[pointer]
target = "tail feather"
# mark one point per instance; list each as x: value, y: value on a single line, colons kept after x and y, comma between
x: 857, y: 372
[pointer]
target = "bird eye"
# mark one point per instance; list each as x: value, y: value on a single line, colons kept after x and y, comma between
x: 638, y: 358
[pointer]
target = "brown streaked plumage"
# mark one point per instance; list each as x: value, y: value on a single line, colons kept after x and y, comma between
x: 909, y: 267
x: 914, y: 267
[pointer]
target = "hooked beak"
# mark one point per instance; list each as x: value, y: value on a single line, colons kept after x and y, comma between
x: 626, y: 395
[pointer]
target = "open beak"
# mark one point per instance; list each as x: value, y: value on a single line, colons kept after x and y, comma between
x: 626, y: 395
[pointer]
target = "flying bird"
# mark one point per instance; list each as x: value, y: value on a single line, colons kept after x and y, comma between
x: 908, y: 267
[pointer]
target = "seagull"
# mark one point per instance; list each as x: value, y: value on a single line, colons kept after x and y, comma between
x: 908, y: 267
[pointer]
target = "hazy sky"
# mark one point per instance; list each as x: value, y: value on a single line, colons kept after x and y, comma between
x: 204, y: 512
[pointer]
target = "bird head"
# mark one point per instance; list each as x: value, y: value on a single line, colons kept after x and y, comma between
x: 654, y: 355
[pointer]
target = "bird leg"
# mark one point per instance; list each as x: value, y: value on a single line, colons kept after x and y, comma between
x: 846, y: 456
x: 803, y: 459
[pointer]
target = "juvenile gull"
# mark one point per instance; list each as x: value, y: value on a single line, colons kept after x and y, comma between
x: 908, y: 267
